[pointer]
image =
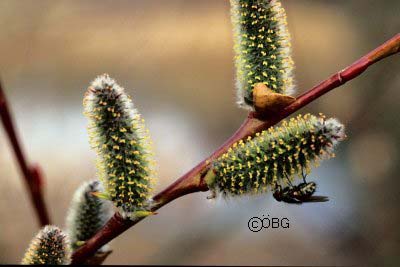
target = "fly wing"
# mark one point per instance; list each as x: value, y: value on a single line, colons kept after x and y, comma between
x: 316, y: 199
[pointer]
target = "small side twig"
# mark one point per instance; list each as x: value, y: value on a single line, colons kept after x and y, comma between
x: 193, y: 181
x: 32, y: 174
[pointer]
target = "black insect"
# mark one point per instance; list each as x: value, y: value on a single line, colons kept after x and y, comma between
x: 298, y: 194
x: 285, y: 194
x: 304, y: 191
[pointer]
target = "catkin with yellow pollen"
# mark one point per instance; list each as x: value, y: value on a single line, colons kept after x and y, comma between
x: 118, y: 135
x: 262, y: 48
x: 253, y: 165
x: 50, y: 246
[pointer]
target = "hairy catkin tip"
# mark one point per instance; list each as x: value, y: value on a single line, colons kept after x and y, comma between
x: 50, y: 246
x: 118, y: 135
x: 253, y: 165
x: 87, y: 213
x: 262, y: 48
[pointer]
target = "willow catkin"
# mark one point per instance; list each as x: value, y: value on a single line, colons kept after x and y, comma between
x: 253, y: 165
x: 50, y: 246
x: 122, y: 144
x: 87, y: 213
x: 262, y: 48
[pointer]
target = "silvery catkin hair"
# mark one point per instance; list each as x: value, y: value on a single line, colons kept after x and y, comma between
x: 87, y: 213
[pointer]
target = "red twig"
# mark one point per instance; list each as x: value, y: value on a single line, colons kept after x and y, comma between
x: 32, y: 174
x: 193, y: 180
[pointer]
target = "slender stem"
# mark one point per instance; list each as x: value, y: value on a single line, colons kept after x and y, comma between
x: 32, y: 174
x: 193, y: 181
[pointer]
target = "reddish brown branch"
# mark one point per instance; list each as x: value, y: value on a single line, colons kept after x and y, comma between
x: 32, y: 174
x: 193, y: 180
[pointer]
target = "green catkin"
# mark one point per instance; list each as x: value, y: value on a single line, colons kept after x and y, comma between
x: 122, y: 144
x: 50, y: 246
x: 257, y: 163
x: 87, y: 214
x: 262, y: 48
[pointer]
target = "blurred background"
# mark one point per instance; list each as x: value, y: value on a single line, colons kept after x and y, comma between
x: 175, y: 58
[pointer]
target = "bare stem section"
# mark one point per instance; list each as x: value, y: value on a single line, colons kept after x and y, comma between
x: 31, y: 174
x: 193, y: 181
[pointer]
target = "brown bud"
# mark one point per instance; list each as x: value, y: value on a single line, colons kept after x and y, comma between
x: 267, y: 101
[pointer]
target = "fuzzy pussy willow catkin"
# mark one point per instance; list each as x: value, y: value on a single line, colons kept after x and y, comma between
x: 118, y: 135
x: 50, y: 246
x: 271, y: 156
x: 262, y: 48
x: 87, y: 213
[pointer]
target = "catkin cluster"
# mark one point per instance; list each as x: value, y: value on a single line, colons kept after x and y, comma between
x: 253, y: 165
x: 118, y: 135
x: 87, y: 214
x: 50, y: 246
x: 262, y: 48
